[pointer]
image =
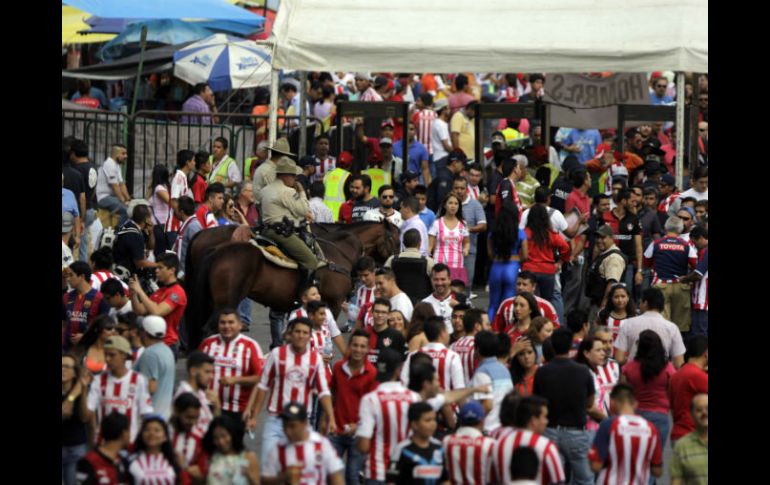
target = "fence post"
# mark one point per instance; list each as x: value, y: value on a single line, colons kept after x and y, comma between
x: 130, y: 148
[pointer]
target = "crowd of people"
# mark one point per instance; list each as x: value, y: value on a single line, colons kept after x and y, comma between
x: 594, y: 339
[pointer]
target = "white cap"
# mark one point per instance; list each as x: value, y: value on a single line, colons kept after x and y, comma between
x: 154, y: 325
x: 522, y: 160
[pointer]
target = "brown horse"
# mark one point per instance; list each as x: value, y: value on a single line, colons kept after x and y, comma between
x: 234, y: 271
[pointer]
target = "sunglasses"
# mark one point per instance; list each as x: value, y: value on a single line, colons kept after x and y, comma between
x: 685, y: 218
x: 661, y: 85
x: 387, y: 196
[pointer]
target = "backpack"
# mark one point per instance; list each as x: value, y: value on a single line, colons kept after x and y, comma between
x: 412, y: 278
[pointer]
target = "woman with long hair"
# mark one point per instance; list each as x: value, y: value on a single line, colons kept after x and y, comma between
x: 591, y: 353
x: 229, y: 462
x: 507, y: 245
x: 229, y: 214
x: 158, y: 192
x: 397, y: 321
x: 414, y: 334
x: 154, y: 461
x: 523, y: 368
x: 542, y: 243
x: 448, y: 237
x: 74, y: 417
x: 91, y: 347
x: 524, y: 310
x: 539, y: 330
x: 650, y: 374
x: 620, y: 308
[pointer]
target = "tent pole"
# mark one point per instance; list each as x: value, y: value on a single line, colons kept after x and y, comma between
x: 273, y: 125
x: 680, y: 103
x: 302, y: 114
x: 139, y: 69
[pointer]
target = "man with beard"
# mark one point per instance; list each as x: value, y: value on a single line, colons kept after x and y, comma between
x: 364, y: 201
x: 386, y: 209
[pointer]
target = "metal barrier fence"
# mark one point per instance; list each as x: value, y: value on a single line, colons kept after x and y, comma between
x: 154, y: 137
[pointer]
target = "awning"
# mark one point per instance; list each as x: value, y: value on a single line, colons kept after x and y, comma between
x: 166, y: 9
x: 73, y: 21
x: 155, y: 60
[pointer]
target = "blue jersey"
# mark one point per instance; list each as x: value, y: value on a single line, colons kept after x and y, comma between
x: 671, y: 257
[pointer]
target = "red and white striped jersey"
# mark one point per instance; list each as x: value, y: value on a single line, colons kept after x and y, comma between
x: 329, y: 329
x: 324, y: 166
x: 449, y: 243
x: 383, y: 419
x: 241, y: 357
x: 151, y: 470
x: 614, y: 325
x: 364, y: 295
x: 289, y: 376
x: 627, y: 445
x: 468, y: 456
x: 465, y: 349
x: 509, y: 439
x: 99, y: 277
x: 179, y: 188
x: 316, y: 456
x: 473, y: 191
x: 127, y: 395
x: 447, y: 363
x: 206, y: 414
x: 700, y: 290
x: 504, y: 317
x: 188, y: 445
x: 599, y: 397
x: 423, y: 120
x: 608, y: 375
x: 665, y: 204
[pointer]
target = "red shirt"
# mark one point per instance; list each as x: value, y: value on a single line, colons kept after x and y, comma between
x: 175, y: 297
x: 348, y: 390
x: 688, y: 381
x: 199, y: 187
x: 346, y: 211
x: 578, y: 200
x: 88, y: 101
x: 541, y: 259
x: 653, y: 394
x: 203, y: 217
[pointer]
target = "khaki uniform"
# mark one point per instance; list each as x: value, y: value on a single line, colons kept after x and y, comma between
x: 264, y: 175
x: 279, y: 201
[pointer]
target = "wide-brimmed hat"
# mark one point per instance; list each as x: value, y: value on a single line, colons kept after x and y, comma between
x: 281, y: 146
x: 286, y: 166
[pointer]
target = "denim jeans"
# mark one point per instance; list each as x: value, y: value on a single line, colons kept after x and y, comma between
x: 470, y: 266
x: 558, y: 301
x: 661, y: 422
x: 628, y: 279
x: 272, y: 431
x: 114, y: 205
x: 69, y: 461
x: 545, y: 285
x: 355, y: 460
x: 574, y: 446
x: 86, y: 236
x: 700, y: 323
x: 244, y: 311
x: 276, y: 328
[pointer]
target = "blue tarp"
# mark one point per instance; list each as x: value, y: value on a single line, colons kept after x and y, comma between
x: 166, y: 9
x: 101, y: 25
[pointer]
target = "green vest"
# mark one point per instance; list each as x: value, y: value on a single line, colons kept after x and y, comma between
x: 512, y: 138
x: 379, y: 178
x: 247, y: 167
x: 334, y: 197
x: 222, y: 170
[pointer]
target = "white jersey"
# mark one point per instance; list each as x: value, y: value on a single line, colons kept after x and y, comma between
x: 509, y: 439
x: 99, y: 277
x: 241, y: 357
x: 188, y: 445
x: 446, y: 362
x: 374, y: 215
x: 442, y: 309
x: 384, y: 420
x: 316, y: 456
x: 323, y: 167
x: 402, y: 303
x: 292, y: 377
x: 465, y: 348
x: 364, y: 295
x: 330, y: 324
x: 206, y: 414
x: 179, y: 188
x: 151, y: 470
x: 468, y: 456
x: 128, y: 395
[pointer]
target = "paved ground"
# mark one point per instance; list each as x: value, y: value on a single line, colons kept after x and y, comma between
x: 260, y: 331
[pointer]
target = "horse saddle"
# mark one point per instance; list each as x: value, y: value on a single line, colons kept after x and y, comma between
x: 273, y: 253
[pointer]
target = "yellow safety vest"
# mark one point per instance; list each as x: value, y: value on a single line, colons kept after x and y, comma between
x: 222, y: 170
x: 334, y: 196
x: 512, y: 138
x: 379, y: 178
x: 247, y: 167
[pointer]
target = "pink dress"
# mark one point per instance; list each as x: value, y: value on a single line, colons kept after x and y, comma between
x: 449, y: 247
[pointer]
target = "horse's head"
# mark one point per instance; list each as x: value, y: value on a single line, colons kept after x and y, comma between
x: 389, y: 244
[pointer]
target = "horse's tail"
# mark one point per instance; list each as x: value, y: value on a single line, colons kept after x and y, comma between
x: 189, y: 267
x: 198, y: 301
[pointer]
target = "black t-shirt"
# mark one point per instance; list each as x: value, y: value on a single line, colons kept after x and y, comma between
x: 73, y: 429
x: 560, y: 190
x: 567, y: 385
x: 628, y: 227
x: 389, y: 338
x: 650, y: 225
x: 418, y: 466
x: 360, y: 208
x: 96, y: 468
x: 88, y: 172
x: 493, y: 180
x: 73, y: 181
x: 129, y: 246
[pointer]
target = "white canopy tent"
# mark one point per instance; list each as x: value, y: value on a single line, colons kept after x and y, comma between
x: 441, y: 36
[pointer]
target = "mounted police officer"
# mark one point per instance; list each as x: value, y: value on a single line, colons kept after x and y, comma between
x: 284, y: 206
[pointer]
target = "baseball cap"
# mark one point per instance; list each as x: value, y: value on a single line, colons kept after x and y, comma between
x: 380, y: 81
x: 345, y: 159
x: 294, y: 411
x: 440, y: 104
x: 602, y: 149
x: 388, y: 361
x: 67, y: 222
x: 118, y: 343
x: 570, y: 164
x: 387, y: 122
x: 605, y: 230
x: 364, y: 75
x: 689, y: 210
x: 154, y: 325
x: 408, y: 175
x: 308, y: 160
x: 471, y: 413
x: 457, y: 154
x: 386, y: 141
x: 619, y: 171
x: 498, y: 137
x: 668, y: 179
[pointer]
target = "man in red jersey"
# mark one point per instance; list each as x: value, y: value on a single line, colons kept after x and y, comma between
x: 689, y: 380
x: 525, y: 283
x: 104, y: 464
x: 238, y: 362
x: 168, y: 302
x: 626, y: 448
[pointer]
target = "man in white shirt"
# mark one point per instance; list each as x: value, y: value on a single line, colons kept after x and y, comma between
x: 116, y: 297
x: 700, y: 185
x: 410, y: 213
x: 385, y: 282
x: 185, y: 165
x: 321, y: 213
x: 111, y: 191
x: 442, y: 300
x: 440, y: 140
